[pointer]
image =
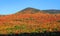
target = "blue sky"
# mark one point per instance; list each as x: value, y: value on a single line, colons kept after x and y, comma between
x: 12, y: 6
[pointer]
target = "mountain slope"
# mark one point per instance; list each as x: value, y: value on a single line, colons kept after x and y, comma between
x: 29, y: 20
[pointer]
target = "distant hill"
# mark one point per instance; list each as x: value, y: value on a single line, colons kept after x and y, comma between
x: 52, y: 11
x: 29, y: 10
x: 33, y: 10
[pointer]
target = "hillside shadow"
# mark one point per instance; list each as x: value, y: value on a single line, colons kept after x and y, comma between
x: 34, y: 34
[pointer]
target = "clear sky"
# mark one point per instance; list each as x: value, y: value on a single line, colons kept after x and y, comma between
x: 12, y: 6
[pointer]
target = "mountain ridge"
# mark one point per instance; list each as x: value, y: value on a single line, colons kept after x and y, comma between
x: 34, y: 10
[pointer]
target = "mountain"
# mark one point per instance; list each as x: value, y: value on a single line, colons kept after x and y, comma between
x: 29, y: 20
x: 33, y: 10
x: 29, y: 10
x: 52, y: 11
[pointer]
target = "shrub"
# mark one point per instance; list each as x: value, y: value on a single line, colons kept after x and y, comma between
x: 19, y: 27
x: 9, y: 29
x: 36, y: 30
x: 58, y: 21
x: 44, y: 29
x: 55, y: 29
x: 16, y: 27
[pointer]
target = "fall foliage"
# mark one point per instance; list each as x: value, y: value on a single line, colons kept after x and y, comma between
x: 26, y: 21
